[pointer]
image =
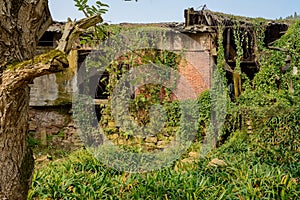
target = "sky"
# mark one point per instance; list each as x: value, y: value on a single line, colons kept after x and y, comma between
x: 147, y: 11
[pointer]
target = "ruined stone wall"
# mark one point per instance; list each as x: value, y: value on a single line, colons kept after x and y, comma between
x: 51, y: 96
x: 51, y: 125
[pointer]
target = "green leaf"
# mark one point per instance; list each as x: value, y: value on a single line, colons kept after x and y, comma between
x: 102, y: 4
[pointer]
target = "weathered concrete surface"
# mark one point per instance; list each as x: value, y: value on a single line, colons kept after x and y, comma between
x: 55, y: 89
x: 44, y: 90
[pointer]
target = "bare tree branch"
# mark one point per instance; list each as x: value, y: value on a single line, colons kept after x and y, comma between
x: 74, y: 29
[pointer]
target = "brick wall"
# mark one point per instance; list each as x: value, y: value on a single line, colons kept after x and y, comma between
x: 196, y: 70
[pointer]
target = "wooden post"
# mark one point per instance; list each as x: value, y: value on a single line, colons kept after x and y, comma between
x: 44, y: 137
x: 237, y: 84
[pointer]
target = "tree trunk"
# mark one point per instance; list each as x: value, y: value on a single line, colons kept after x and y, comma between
x: 16, y: 161
x: 22, y: 23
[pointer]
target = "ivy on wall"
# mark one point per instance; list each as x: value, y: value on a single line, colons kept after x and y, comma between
x: 271, y: 92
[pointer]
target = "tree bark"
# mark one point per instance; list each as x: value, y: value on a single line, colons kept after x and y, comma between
x: 22, y: 23
x: 16, y: 161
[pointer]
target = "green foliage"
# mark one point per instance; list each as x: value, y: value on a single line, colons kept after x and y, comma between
x: 261, y: 164
x: 32, y: 142
x: 259, y: 31
x: 219, y: 92
x: 221, y: 54
x: 239, y: 38
x: 173, y: 113
x: 150, y: 94
x: 253, y: 171
x: 99, y: 8
x: 204, y: 103
x: 291, y: 41
x: 271, y: 92
x: 100, y: 31
x: 281, y: 135
x: 270, y: 81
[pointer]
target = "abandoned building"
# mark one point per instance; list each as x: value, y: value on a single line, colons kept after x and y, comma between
x: 51, y: 95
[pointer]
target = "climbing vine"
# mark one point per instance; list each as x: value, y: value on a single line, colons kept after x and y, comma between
x: 140, y: 98
x: 221, y: 54
x: 259, y: 26
x: 273, y: 91
x: 271, y: 95
x: 219, y: 94
x: 239, y: 38
x: 267, y: 94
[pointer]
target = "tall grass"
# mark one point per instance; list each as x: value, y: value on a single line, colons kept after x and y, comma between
x: 246, y: 176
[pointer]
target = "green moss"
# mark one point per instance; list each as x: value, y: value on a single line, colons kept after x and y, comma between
x: 43, y: 59
x: 64, y: 97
